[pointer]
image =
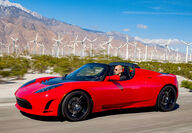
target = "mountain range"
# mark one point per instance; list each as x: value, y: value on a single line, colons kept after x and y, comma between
x: 19, y: 22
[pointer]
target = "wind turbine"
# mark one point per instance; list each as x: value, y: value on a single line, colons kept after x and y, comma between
x: 91, y: 46
x: 156, y: 54
x: 14, y: 44
x: 1, y: 44
x: 57, y: 44
x: 35, y: 43
x: 135, y: 53
x: 152, y: 52
x: 187, y: 49
x: 104, y: 52
x: 177, y: 57
x: 75, y: 43
x: 190, y: 55
x: 135, y: 50
x: 177, y: 54
x: 63, y: 46
x: 167, y: 49
x: 139, y: 53
x: 146, y: 48
x: 108, y: 43
x: 42, y: 46
x: 127, y: 47
x: 166, y: 52
x: 27, y: 47
x: 83, y: 46
x: 8, y: 48
x: 146, y: 51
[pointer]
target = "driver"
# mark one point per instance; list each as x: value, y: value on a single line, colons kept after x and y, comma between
x: 118, y: 70
x: 118, y: 74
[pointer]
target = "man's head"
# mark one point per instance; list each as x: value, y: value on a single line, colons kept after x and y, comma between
x: 118, y: 70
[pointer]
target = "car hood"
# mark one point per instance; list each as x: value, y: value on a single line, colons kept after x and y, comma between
x: 40, y: 84
x: 56, y: 80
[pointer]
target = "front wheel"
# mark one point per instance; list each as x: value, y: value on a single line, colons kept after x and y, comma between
x: 166, y: 100
x: 76, y: 106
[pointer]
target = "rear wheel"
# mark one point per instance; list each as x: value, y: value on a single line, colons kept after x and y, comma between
x: 76, y: 106
x: 167, y: 99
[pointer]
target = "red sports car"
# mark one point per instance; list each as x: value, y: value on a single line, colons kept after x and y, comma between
x: 86, y: 91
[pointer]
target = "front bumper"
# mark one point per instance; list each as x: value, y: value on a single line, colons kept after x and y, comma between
x: 39, y: 105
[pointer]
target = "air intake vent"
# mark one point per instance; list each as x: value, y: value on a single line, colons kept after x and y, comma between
x: 24, y: 103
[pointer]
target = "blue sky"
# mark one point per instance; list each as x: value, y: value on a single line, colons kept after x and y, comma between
x: 143, y: 18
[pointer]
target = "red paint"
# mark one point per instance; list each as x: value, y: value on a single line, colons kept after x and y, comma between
x: 140, y: 91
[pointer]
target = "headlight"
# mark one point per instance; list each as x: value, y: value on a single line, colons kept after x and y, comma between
x: 30, y: 82
x: 48, y: 88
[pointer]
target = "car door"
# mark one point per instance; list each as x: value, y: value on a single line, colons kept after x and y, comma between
x: 133, y: 90
x: 107, y: 93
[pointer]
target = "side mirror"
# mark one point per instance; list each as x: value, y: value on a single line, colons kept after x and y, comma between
x: 64, y: 76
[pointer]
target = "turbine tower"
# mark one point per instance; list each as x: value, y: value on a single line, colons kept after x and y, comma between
x: 187, y: 50
x: 152, y: 53
x: 8, y: 48
x: 104, y: 52
x: 63, y: 47
x: 1, y: 44
x: 35, y: 43
x: 91, y: 46
x: 83, y: 46
x: 139, y: 53
x: 127, y: 48
x: 42, y: 46
x: 14, y: 44
x: 75, y: 43
x: 146, y: 51
x: 156, y: 54
x: 135, y: 50
x: 146, y: 48
x: 27, y: 47
x: 57, y: 44
x: 167, y: 49
x: 177, y: 54
x: 177, y: 57
x: 190, y: 55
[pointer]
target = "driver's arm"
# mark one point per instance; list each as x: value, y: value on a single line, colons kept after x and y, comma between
x: 114, y: 77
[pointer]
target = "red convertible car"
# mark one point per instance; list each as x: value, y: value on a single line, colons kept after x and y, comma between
x: 86, y: 91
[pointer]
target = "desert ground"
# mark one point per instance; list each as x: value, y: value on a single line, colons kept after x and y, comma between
x: 142, y: 120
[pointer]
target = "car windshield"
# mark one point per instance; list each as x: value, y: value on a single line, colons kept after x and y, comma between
x: 89, y: 72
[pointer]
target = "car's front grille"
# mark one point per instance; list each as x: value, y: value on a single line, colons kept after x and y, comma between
x: 23, y: 103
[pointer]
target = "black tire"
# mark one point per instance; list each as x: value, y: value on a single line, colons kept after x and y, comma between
x: 76, y: 106
x: 166, y: 100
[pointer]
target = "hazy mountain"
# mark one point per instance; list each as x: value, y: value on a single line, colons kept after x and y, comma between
x: 172, y: 43
x: 19, y: 22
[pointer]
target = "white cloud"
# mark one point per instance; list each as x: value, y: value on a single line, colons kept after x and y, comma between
x: 157, y: 13
x: 126, y: 30
x: 156, y: 8
x: 142, y: 26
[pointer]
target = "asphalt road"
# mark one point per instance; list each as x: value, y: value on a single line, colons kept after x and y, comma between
x: 144, y: 120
